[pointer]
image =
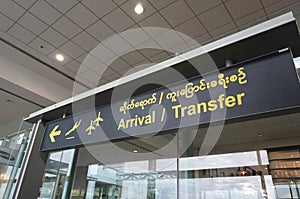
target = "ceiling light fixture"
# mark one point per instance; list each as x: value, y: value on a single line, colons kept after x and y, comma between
x: 59, y: 57
x: 139, y: 9
x: 135, y: 151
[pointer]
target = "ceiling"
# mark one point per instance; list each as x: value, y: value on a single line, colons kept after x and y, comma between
x: 33, y: 31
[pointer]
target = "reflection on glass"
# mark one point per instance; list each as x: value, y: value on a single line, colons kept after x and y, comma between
x: 128, y: 180
x: 247, y: 187
x: 242, y: 175
x: 12, y: 148
x: 57, y: 173
x: 251, y: 158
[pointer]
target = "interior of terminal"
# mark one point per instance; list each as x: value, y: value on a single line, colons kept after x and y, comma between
x: 170, y: 99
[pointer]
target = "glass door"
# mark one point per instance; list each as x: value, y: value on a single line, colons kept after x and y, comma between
x: 285, y: 170
x: 57, y: 176
x: 125, y: 181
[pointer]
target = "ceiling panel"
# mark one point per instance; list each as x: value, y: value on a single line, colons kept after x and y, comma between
x: 172, y: 16
x: 53, y: 37
x: 62, y: 6
x: 73, y: 66
x: 66, y: 27
x: 107, y: 72
x: 112, y: 77
x: 100, y: 8
x: 118, y: 20
x: 5, y: 22
x: 134, y: 57
x: 118, y: 45
x: 191, y: 28
x: 127, y: 71
x: 41, y: 46
x: 90, y: 85
x: 25, y: 3
x: 184, y: 47
x: 242, y: 8
x: 158, y: 4
x: 102, y: 81
x: 211, y: 22
x: 11, y: 9
x: 260, y: 14
x: 71, y: 49
x: 169, y: 40
x: 150, y: 52
x: 119, y: 64
x: 269, y: 2
x: 102, y: 53
x: 45, y: 12
x: 21, y: 33
x: 100, y: 30
x: 90, y: 75
x: 85, y: 41
x: 200, y: 6
x: 81, y: 16
x: 160, y: 57
x: 202, y: 39
x: 225, y: 29
x: 279, y: 5
x: 120, y: 2
x: 32, y: 23
x: 155, y: 20
x: 136, y: 37
x: 142, y: 65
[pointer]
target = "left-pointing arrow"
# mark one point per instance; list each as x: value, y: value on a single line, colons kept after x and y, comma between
x: 54, y: 133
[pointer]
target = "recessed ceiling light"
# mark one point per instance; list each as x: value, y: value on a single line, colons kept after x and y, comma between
x: 139, y: 9
x: 260, y: 135
x: 59, y: 57
x: 135, y: 151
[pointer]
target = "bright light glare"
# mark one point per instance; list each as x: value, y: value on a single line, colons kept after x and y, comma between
x: 139, y: 9
x: 59, y: 57
x: 297, y: 62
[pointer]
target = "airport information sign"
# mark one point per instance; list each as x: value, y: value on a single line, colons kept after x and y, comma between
x: 262, y: 85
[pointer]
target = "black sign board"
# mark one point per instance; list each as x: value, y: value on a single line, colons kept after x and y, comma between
x: 268, y: 83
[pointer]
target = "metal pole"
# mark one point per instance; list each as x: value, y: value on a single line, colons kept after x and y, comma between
x: 26, y: 158
x: 16, y: 166
x: 70, y: 176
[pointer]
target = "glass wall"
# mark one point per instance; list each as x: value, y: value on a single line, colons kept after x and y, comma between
x: 58, y: 174
x: 243, y: 160
x: 13, y: 144
x: 140, y: 168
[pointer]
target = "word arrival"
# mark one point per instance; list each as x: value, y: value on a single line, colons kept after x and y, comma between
x: 137, y: 121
